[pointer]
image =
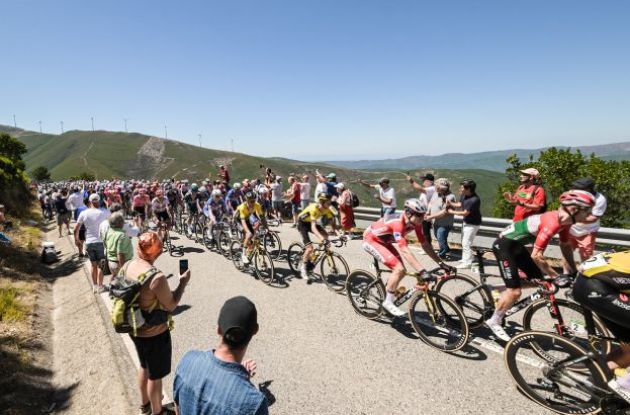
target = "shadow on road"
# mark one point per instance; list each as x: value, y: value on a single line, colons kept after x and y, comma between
x: 191, y: 250
x: 181, y: 308
x: 470, y: 352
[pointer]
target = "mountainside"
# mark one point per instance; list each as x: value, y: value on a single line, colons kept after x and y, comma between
x: 132, y: 155
x: 490, y: 160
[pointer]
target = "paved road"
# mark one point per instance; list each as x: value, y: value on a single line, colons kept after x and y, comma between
x: 322, y: 358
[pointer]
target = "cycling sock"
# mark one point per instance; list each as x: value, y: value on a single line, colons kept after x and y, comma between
x: 497, y: 317
x: 390, y: 297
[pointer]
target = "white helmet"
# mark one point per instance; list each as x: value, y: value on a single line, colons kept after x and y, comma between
x: 216, y: 192
x: 237, y: 186
x: 416, y: 206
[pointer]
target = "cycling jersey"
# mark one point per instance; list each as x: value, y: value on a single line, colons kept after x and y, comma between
x: 243, y: 211
x: 139, y: 201
x: 312, y: 213
x: 538, y: 229
x: 216, y: 207
x: 391, y: 230
x: 613, y: 269
x: 158, y: 205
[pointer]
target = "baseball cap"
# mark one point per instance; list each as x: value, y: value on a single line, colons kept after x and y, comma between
x: 383, y: 180
x: 238, y: 320
x: 95, y: 197
x: 585, y: 183
x: 428, y: 176
x: 531, y: 172
x: 331, y: 176
x: 340, y: 186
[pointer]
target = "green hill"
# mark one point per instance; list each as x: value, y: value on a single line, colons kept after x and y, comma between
x: 131, y: 155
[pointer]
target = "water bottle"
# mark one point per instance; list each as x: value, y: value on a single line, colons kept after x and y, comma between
x: 495, y: 296
x: 400, y: 291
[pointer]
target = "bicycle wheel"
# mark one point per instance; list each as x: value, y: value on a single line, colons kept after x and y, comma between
x: 366, y: 293
x: 556, y: 387
x: 263, y: 266
x: 334, y: 271
x: 474, y: 299
x: 236, y: 254
x: 537, y: 317
x: 438, y: 321
x: 189, y: 231
x: 168, y: 244
x: 294, y: 257
x: 273, y: 245
x: 206, y: 237
x: 224, y: 243
x: 198, y: 230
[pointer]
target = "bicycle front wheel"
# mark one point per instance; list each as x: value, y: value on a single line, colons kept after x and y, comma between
x: 294, y: 257
x: 557, y: 387
x: 438, y: 321
x: 236, y: 254
x: 334, y: 271
x: 366, y: 293
x: 272, y: 244
x: 474, y: 299
x: 263, y: 266
x: 224, y: 243
x: 538, y: 317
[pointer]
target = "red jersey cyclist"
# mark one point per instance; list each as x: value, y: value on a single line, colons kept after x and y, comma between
x: 380, y: 237
x: 512, y: 255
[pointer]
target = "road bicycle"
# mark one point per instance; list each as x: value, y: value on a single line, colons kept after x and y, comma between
x: 195, y: 229
x: 562, y: 375
x: 333, y: 268
x: 436, y: 318
x: 216, y: 236
x: 543, y: 311
x: 258, y: 257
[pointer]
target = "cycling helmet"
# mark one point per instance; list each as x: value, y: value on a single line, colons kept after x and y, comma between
x: 216, y: 192
x: 237, y: 186
x: 203, y: 189
x: 416, y: 206
x: 323, y: 197
x: 194, y: 187
x: 580, y: 198
x: 250, y: 195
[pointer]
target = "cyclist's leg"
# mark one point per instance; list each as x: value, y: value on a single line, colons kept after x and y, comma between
x: 390, y: 257
x: 304, y: 228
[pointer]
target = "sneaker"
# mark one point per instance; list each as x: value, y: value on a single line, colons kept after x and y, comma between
x: 619, y: 390
x: 245, y: 259
x: 498, y: 331
x: 392, y: 309
x: 309, y: 280
x: 303, y: 272
x: 463, y: 265
x: 145, y: 409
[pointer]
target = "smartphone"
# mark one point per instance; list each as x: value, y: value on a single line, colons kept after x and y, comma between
x: 183, y: 266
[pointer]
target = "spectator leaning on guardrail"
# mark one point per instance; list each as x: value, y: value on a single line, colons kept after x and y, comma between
x: 529, y: 198
x: 442, y: 221
x: 583, y: 234
x: 386, y: 195
x: 469, y: 206
x: 426, y: 189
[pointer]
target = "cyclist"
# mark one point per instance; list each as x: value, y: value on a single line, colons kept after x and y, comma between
x: 139, y: 203
x: 191, y: 199
x: 160, y: 208
x: 379, y: 239
x: 251, y: 215
x: 234, y: 197
x: 214, y: 209
x: 603, y: 286
x: 512, y: 255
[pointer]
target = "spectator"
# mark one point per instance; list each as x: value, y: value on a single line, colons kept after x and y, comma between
x: 386, y: 195
x: 276, y: 197
x: 469, y: 206
x: 294, y: 195
x: 442, y: 221
x: 427, y: 189
x: 529, y: 198
x: 346, y: 210
x: 63, y: 213
x: 118, y: 247
x: 217, y: 382
x: 305, y: 191
x: 224, y: 174
x: 153, y: 340
x: 92, y: 218
x: 76, y: 200
x: 583, y: 234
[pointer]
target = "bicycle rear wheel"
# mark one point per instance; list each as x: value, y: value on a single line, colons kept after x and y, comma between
x: 537, y: 317
x: 559, y: 388
x: 474, y: 299
x: 263, y: 266
x: 224, y: 243
x: 294, y: 257
x: 366, y: 293
x: 273, y: 245
x: 438, y: 321
x: 236, y: 254
x: 334, y: 271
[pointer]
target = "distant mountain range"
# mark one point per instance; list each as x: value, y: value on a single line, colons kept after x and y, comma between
x: 489, y: 160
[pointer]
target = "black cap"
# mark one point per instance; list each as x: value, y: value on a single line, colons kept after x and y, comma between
x: 428, y: 176
x: 238, y: 321
x: 585, y: 183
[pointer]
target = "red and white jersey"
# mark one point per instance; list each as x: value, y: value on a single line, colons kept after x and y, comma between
x: 391, y: 230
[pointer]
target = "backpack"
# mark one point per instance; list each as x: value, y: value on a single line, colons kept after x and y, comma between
x: 543, y: 209
x: 49, y: 253
x: 124, y: 292
x: 355, y: 200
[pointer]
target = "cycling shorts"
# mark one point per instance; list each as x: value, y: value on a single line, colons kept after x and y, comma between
x: 384, y: 253
x: 139, y: 211
x: 305, y: 228
x: 163, y: 216
x: 511, y: 256
x: 612, y: 306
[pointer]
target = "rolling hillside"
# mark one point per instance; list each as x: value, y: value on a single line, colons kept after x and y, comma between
x: 127, y: 155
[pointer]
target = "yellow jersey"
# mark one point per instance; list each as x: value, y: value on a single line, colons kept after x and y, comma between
x: 243, y: 210
x: 312, y: 213
x: 613, y: 269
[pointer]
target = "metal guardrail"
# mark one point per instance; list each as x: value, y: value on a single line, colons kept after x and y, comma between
x: 493, y: 226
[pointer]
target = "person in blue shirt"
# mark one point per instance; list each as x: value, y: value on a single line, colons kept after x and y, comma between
x: 217, y: 381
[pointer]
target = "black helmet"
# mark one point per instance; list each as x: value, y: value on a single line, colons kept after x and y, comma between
x: 250, y: 195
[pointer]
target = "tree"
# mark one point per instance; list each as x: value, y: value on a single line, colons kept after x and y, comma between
x: 559, y: 168
x: 14, y: 191
x: 41, y: 173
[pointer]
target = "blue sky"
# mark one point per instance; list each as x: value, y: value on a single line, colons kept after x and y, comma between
x: 324, y: 79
